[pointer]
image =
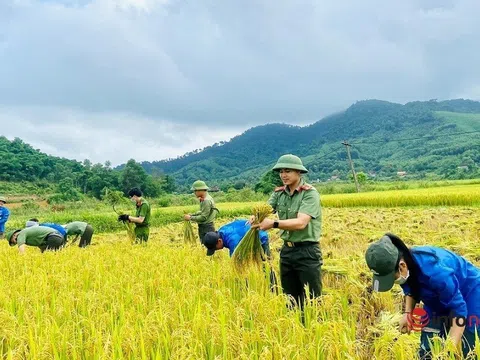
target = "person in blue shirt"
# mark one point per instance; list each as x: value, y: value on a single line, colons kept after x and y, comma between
x: 58, y: 227
x: 229, y: 236
x: 446, y: 283
x: 4, y: 215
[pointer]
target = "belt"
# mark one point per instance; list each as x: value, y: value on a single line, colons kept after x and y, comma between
x: 299, y: 244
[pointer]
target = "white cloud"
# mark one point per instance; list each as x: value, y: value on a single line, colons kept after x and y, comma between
x: 116, y: 137
x: 178, y: 63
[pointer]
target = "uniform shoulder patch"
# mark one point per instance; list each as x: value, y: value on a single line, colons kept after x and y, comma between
x: 306, y: 187
x: 279, y: 188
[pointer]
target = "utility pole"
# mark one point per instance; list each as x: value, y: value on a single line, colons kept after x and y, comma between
x: 347, y: 146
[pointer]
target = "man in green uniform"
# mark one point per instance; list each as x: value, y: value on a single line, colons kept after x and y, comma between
x: 43, y: 237
x: 208, y: 212
x: 299, y: 213
x: 80, y: 229
x: 142, y: 218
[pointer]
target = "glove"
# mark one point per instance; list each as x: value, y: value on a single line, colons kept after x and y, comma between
x: 123, y: 217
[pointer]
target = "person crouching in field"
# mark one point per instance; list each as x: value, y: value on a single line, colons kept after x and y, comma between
x: 43, y: 237
x: 142, y: 218
x: 208, y: 212
x: 76, y: 229
x: 446, y: 283
x: 230, y: 235
x: 58, y: 227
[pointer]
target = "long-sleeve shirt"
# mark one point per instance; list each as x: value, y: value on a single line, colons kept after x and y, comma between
x: 449, y: 285
x: 207, y: 213
x: 4, y: 214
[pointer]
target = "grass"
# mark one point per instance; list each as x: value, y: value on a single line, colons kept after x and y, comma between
x: 463, y: 195
x: 103, y: 219
x: 464, y: 121
x: 170, y: 301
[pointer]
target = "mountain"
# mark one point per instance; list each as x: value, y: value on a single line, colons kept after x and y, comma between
x: 384, y: 137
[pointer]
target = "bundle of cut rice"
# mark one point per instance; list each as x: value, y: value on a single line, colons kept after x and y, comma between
x: 249, y: 251
x: 188, y: 234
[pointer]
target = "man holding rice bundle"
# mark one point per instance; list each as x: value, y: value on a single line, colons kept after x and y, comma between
x: 298, y: 207
x: 141, y: 218
x: 205, y: 217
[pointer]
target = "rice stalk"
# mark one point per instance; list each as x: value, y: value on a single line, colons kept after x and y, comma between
x: 249, y: 251
x: 188, y: 233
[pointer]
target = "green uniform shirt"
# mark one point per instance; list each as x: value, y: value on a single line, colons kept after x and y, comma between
x: 76, y: 228
x: 306, y: 200
x: 207, y: 213
x: 144, y: 211
x: 34, y: 236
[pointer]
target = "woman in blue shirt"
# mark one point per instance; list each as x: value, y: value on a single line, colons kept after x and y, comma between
x: 446, y: 283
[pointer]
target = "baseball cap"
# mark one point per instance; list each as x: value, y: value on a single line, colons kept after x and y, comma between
x: 210, y: 241
x: 382, y: 257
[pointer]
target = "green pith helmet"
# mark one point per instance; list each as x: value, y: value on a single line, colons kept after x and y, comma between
x: 9, y: 234
x: 290, y: 161
x: 3, y: 199
x: 199, y: 185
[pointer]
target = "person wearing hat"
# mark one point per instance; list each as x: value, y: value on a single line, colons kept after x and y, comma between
x: 42, y: 237
x: 229, y: 236
x: 58, y: 227
x: 4, y: 215
x: 80, y: 229
x: 446, y: 283
x: 205, y: 217
x: 298, y: 207
x: 142, y: 218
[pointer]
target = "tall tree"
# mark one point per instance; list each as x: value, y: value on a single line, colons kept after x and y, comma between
x: 133, y: 175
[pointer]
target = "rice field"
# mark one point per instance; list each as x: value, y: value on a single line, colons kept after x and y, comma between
x: 103, y: 219
x: 167, y: 300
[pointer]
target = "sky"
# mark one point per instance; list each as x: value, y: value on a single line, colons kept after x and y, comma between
x: 153, y: 79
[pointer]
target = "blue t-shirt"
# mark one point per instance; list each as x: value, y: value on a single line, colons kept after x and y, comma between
x: 449, y: 285
x: 57, y: 227
x: 233, y: 232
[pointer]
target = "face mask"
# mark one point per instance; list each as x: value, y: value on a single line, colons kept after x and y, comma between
x: 402, y: 280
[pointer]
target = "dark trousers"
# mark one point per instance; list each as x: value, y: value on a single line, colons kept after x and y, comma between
x: 53, y: 241
x: 141, y: 234
x: 86, y: 237
x: 441, y: 330
x: 204, y: 228
x: 300, y: 266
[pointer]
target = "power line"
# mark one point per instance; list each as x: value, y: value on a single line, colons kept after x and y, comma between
x: 411, y: 139
x: 330, y: 152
